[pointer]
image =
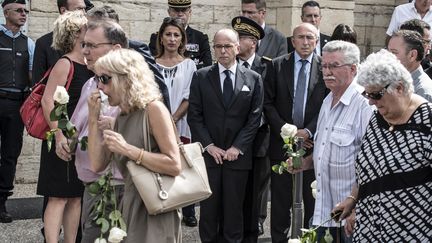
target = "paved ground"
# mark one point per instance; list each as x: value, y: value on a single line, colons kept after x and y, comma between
x: 25, y: 207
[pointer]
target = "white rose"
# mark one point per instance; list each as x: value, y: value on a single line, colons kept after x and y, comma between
x: 61, y: 95
x: 116, y: 235
x: 294, y: 241
x: 100, y: 240
x: 288, y: 131
x: 313, y: 184
x: 314, y: 192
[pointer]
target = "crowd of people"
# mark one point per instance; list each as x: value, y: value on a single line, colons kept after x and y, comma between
x: 366, y: 126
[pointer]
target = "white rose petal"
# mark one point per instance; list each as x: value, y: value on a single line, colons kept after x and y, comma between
x: 294, y: 241
x: 288, y: 131
x: 314, y: 193
x: 61, y: 95
x: 313, y: 184
x: 116, y: 235
x: 100, y: 240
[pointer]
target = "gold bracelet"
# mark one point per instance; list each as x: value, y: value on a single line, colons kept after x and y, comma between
x: 353, y: 198
x: 140, y: 157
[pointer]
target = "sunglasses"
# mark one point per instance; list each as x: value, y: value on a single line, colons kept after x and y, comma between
x: 20, y: 10
x: 376, y: 95
x: 104, y: 79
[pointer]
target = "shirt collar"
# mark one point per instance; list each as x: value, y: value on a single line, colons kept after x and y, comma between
x: 298, y: 58
x: 250, y: 60
x: 233, y: 68
x: 9, y: 32
x: 349, y: 93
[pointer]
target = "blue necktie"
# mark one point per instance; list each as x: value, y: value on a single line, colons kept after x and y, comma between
x: 227, y: 88
x: 299, y: 95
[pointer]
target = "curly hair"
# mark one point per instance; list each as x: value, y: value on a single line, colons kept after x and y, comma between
x: 131, y: 77
x: 383, y: 68
x: 67, y: 28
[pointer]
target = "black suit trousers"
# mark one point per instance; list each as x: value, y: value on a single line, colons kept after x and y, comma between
x: 281, y: 203
x: 221, y: 215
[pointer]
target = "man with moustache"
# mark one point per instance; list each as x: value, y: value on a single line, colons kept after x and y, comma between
x: 342, y: 122
x: 294, y: 92
x: 225, y: 105
x: 16, y: 49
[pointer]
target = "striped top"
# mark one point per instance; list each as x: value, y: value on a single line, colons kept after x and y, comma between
x: 337, y: 141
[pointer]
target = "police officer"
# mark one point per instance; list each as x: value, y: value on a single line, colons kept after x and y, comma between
x: 250, y: 33
x: 197, y: 48
x: 16, y: 55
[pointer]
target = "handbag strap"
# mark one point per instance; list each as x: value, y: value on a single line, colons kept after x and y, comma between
x: 47, y: 73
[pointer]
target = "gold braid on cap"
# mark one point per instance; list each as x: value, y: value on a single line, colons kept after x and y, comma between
x: 247, y: 28
x: 179, y: 2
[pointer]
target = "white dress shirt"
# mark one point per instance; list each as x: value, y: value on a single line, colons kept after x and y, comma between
x: 222, y: 76
x: 336, y: 143
x: 249, y: 61
x: 406, y: 12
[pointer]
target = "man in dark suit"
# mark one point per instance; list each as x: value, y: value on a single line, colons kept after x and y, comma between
x: 197, y: 47
x: 225, y: 105
x: 311, y: 13
x: 294, y: 91
x: 249, y: 33
x: 274, y: 43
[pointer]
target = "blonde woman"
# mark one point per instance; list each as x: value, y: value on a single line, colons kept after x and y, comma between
x: 57, y: 175
x: 129, y: 84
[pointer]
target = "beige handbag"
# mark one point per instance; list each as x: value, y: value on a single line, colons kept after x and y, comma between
x: 164, y: 193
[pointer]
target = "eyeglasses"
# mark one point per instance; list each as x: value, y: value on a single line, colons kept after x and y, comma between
x: 104, y: 79
x: 19, y: 10
x: 94, y: 46
x: 333, y: 66
x: 226, y: 46
x: 376, y: 95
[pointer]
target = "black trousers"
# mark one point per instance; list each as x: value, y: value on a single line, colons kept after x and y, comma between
x: 281, y: 203
x: 11, y: 132
x: 221, y: 215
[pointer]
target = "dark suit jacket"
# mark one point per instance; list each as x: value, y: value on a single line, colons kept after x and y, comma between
x: 144, y: 50
x: 44, y: 57
x: 235, y: 125
x: 323, y: 40
x: 197, y: 48
x: 279, y: 94
x: 273, y: 44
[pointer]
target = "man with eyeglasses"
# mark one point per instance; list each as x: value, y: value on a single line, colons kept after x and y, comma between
x: 273, y: 44
x: 225, y: 105
x: 45, y: 56
x: 311, y: 13
x: 408, y: 47
x: 294, y: 91
x: 16, y: 55
x: 197, y: 47
x: 342, y: 122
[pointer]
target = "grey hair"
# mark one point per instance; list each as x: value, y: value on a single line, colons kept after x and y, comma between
x: 383, y: 68
x: 349, y: 50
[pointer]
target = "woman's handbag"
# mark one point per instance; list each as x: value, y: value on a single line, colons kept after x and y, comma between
x: 164, y: 193
x: 31, y: 110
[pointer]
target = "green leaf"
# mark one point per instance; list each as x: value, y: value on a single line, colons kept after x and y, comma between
x: 70, y: 126
x: 122, y: 224
x: 84, y: 143
x: 94, y: 189
x: 49, y: 144
x: 296, y: 162
x: 62, y: 123
x: 275, y: 168
x: 115, y: 215
x: 101, y: 180
x: 104, y: 224
x: 328, y: 237
x: 301, y: 152
x: 281, y: 169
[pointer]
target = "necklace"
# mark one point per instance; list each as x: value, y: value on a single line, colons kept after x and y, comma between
x: 391, y: 125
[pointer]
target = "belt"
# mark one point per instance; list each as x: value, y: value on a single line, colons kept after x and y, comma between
x: 13, y: 95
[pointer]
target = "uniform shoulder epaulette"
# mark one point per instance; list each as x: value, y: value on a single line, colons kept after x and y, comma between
x: 266, y: 58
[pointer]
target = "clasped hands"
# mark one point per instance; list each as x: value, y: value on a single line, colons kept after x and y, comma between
x: 220, y: 155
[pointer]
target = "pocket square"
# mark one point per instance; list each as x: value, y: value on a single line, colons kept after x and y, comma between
x: 245, y: 88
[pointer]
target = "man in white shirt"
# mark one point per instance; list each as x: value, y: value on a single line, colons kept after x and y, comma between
x: 342, y: 122
x: 418, y: 9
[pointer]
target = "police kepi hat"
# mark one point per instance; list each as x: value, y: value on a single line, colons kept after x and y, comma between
x: 246, y: 26
x: 179, y: 3
x: 5, y: 2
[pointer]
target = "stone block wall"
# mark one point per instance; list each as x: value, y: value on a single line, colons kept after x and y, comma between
x: 140, y: 18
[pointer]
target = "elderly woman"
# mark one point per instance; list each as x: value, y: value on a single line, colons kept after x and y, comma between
x: 58, y: 179
x: 393, y: 202
x: 177, y: 72
x: 128, y: 82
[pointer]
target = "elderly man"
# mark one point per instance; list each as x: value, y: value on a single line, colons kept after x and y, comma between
x: 294, y: 92
x: 417, y: 9
x: 225, y: 106
x: 311, y: 13
x: 342, y: 122
x: 197, y: 47
x: 273, y: 44
x: 15, y: 79
x: 407, y: 45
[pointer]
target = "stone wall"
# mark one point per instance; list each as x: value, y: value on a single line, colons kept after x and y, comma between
x: 140, y: 18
